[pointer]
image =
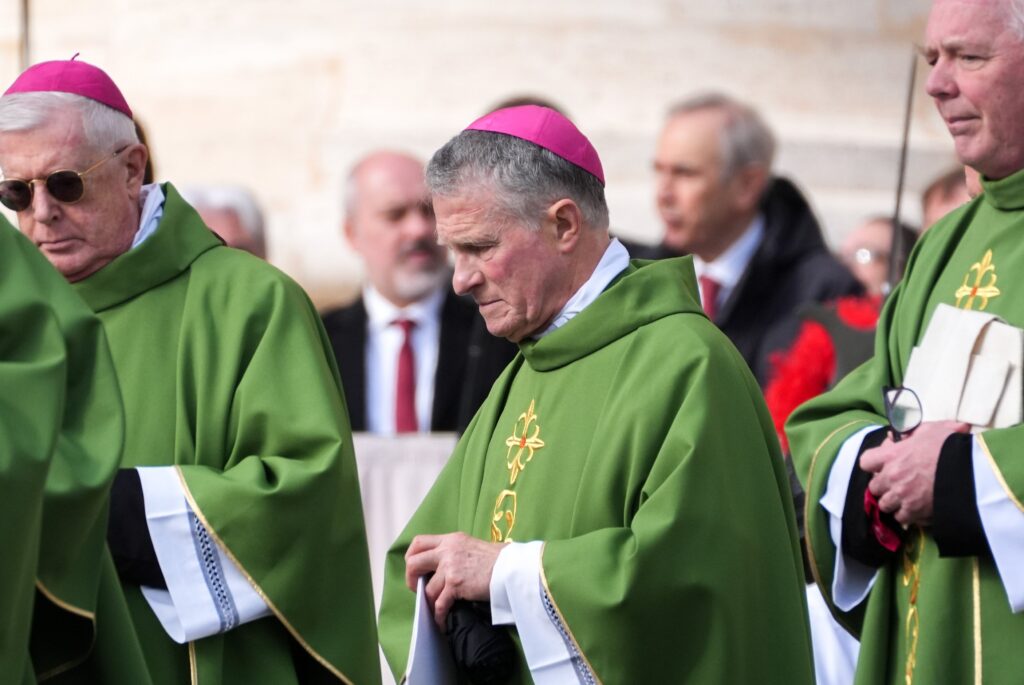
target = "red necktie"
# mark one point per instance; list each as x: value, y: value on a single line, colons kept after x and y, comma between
x: 405, y: 395
x: 709, y: 288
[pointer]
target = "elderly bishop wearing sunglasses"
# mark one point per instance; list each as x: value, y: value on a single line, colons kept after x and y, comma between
x: 236, y: 524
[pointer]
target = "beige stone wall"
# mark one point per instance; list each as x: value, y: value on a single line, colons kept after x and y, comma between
x: 283, y: 96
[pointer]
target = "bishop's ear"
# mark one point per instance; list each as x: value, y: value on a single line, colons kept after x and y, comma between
x: 135, y: 157
x: 567, y: 221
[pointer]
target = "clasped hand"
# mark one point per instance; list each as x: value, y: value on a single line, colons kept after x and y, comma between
x: 461, y: 566
x: 904, y: 480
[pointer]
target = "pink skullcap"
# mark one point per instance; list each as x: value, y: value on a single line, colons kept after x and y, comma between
x: 547, y: 128
x: 71, y: 76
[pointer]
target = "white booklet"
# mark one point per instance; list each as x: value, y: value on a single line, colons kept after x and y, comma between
x: 430, y: 659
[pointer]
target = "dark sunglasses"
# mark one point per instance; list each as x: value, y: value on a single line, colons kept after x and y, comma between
x: 65, y: 186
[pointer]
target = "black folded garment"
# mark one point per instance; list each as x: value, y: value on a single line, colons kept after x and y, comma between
x: 484, y: 653
x: 128, y: 533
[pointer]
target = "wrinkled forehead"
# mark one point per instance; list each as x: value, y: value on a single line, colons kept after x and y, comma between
x: 58, y: 140
x: 469, y: 218
x: 976, y: 19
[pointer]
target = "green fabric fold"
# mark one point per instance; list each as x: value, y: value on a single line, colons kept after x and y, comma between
x: 950, y: 591
x: 60, y: 408
x: 227, y: 375
x: 659, y: 490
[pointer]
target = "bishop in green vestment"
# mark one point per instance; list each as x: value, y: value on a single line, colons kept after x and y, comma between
x: 619, y: 498
x: 62, y: 427
x: 943, y: 601
x: 236, y: 522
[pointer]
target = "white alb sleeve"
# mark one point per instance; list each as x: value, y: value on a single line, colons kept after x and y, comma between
x: 835, y: 650
x: 518, y: 597
x: 206, y: 592
x: 853, y: 580
x: 1003, y: 521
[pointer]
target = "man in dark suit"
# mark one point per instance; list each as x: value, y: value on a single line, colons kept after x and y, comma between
x: 757, y: 247
x: 413, y: 355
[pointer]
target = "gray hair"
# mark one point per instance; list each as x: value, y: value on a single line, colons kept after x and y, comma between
x: 230, y: 198
x: 105, y: 128
x: 525, y: 178
x: 745, y: 140
x: 1015, y: 8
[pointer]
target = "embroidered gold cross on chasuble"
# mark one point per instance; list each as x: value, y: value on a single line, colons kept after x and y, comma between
x: 981, y: 288
x: 980, y: 291
x: 522, y: 445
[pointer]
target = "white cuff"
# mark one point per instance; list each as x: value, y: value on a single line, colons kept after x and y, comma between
x: 853, y: 580
x: 1003, y: 522
x: 206, y: 593
x: 517, y: 597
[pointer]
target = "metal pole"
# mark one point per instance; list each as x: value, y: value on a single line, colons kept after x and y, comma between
x: 896, y: 251
x: 26, y: 35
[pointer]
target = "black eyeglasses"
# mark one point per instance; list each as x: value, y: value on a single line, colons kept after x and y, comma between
x: 65, y: 185
x: 903, y: 409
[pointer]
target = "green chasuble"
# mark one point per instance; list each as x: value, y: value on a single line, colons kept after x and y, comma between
x: 928, y: 619
x: 61, y: 420
x: 634, y: 442
x: 226, y: 374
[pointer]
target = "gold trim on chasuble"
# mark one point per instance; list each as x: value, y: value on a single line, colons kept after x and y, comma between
x: 999, y: 474
x: 976, y: 586
x: 211, y: 531
x: 523, y: 442
x: 986, y: 290
x: 561, y: 617
x: 809, y: 513
x: 71, y: 609
x: 912, y: 551
x: 193, y: 669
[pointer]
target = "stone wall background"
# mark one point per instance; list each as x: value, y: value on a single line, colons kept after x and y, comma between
x: 284, y: 96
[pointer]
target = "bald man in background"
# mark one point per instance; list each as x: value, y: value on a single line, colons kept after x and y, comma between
x: 413, y: 356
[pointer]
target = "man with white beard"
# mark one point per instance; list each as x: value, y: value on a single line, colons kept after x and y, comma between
x: 413, y: 356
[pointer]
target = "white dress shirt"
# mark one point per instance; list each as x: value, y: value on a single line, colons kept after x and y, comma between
x: 383, y: 343
x: 729, y: 267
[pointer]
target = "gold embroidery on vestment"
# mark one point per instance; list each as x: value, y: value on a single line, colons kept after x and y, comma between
x: 912, y: 551
x: 504, y: 517
x: 523, y: 442
x: 981, y: 288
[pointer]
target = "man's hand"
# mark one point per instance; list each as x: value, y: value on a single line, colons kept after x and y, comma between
x: 462, y: 567
x: 904, y: 480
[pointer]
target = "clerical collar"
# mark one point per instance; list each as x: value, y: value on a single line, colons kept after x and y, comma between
x: 1006, y: 193
x: 614, y: 261
x: 728, y: 268
x: 381, y: 312
x: 151, y: 210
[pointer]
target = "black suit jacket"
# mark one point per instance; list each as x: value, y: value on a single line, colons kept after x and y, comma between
x: 469, y: 360
x: 790, y: 268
